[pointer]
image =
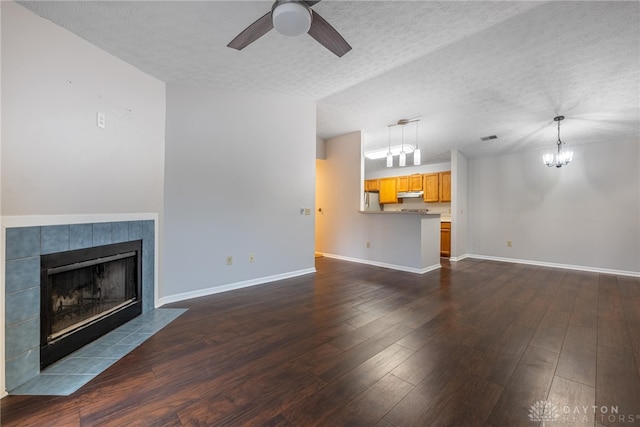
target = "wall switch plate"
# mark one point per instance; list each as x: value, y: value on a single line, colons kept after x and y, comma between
x: 508, y: 243
x: 229, y: 260
x: 301, y: 211
x: 101, y: 120
x: 307, y: 211
x: 251, y: 258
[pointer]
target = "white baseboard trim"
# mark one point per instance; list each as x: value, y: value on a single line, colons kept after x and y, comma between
x: 458, y: 258
x: 556, y: 265
x: 385, y: 265
x: 232, y: 286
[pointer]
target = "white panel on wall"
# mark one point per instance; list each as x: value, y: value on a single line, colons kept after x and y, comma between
x: 584, y: 214
x: 459, y: 210
x: 55, y: 159
x: 239, y: 167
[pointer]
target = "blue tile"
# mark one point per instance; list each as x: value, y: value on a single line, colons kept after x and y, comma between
x: 98, y: 365
x: 111, y: 338
x: 148, y: 229
x: 22, y: 305
x: 119, y: 232
x: 80, y: 236
x: 40, y: 385
x: 135, y: 230
x: 69, y: 384
x: 22, y: 337
x: 54, y: 238
x: 148, y: 275
x: 137, y: 338
x: 21, y: 274
x: 22, y: 242
x: 92, y: 350
x: 68, y: 365
x: 22, y: 368
x: 102, y: 234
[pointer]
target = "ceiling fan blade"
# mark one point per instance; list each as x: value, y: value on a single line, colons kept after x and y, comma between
x: 252, y: 33
x: 327, y: 36
x: 311, y: 2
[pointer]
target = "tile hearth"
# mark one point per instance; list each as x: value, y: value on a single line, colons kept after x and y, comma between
x: 69, y: 374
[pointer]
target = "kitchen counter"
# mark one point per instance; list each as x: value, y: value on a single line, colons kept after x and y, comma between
x: 407, y: 241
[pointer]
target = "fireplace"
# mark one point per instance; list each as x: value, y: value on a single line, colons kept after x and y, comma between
x: 86, y: 293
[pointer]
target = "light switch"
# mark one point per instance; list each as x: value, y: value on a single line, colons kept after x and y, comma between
x: 101, y: 120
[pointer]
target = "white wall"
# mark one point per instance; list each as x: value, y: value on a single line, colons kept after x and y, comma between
x: 459, y: 209
x: 339, y: 194
x: 239, y: 167
x: 2, y: 242
x: 586, y: 214
x: 55, y: 161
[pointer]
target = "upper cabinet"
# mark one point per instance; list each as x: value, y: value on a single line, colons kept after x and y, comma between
x: 415, y: 182
x: 388, y: 190
x: 431, y: 188
x: 445, y: 186
x: 372, y: 185
x: 437, y: 187
x: 403, y: 183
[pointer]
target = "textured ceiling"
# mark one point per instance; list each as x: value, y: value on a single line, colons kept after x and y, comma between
x: 467, y: 69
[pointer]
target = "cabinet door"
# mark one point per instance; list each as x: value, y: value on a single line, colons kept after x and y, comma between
x: 445, y: 239
x: 372, y: 185
x: 403, y: 183
x: 415, y: 182
x: 445, y: 186
x: 388, y: 190
x: 431, y: 188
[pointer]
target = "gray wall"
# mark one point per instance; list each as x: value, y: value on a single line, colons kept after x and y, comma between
x: 584, y: 214
x: 239, y: 167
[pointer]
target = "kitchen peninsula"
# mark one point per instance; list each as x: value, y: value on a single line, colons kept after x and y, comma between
x: 407, y: 241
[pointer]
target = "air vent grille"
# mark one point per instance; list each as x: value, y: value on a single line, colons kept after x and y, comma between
x: 487, y: 138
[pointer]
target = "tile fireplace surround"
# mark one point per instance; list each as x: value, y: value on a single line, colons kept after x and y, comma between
x: 24, y: 245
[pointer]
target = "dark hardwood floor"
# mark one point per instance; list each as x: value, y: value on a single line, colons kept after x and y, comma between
x: 475, y: 343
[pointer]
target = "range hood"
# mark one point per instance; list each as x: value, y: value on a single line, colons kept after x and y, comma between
x: 410, y: 194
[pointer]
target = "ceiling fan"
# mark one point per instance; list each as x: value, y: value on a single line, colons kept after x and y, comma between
x: 293, y: 18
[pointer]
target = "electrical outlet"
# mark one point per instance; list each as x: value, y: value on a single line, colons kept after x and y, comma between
x: 229, y: 260
x: 508, y: 243
x: 368, y: 244
x: 307, y: 211
x: 251, y: 258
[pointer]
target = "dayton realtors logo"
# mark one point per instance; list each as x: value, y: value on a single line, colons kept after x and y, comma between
x: 546, y: 412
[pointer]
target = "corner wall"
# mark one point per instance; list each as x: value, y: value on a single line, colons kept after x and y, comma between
x: 584, y: 215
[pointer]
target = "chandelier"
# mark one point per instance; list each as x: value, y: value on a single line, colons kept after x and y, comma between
x: 563, y: 157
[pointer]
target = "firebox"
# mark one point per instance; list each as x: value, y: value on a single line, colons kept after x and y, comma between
x: 86, y: 293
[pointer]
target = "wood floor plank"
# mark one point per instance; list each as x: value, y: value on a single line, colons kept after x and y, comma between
x: 474, y: 343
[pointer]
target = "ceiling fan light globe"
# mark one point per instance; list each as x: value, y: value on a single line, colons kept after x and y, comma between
x: 291, y: 19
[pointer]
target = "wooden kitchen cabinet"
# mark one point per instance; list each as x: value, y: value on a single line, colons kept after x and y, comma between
x: 371, y: 185
x: 445, y: 239
x: 388, y: 190
x: 431, y: 188
x: 437, y: 187
x: 403, y: 183
x: 445, y: 186
x: 415, y: 182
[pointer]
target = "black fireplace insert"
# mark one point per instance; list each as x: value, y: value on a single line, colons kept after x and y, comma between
x: 86, y: 293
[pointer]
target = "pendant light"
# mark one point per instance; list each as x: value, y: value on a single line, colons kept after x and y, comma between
x: 389, y: 155
x: 563, y: 157
x: 416, y: 152
x: 403, y: 155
